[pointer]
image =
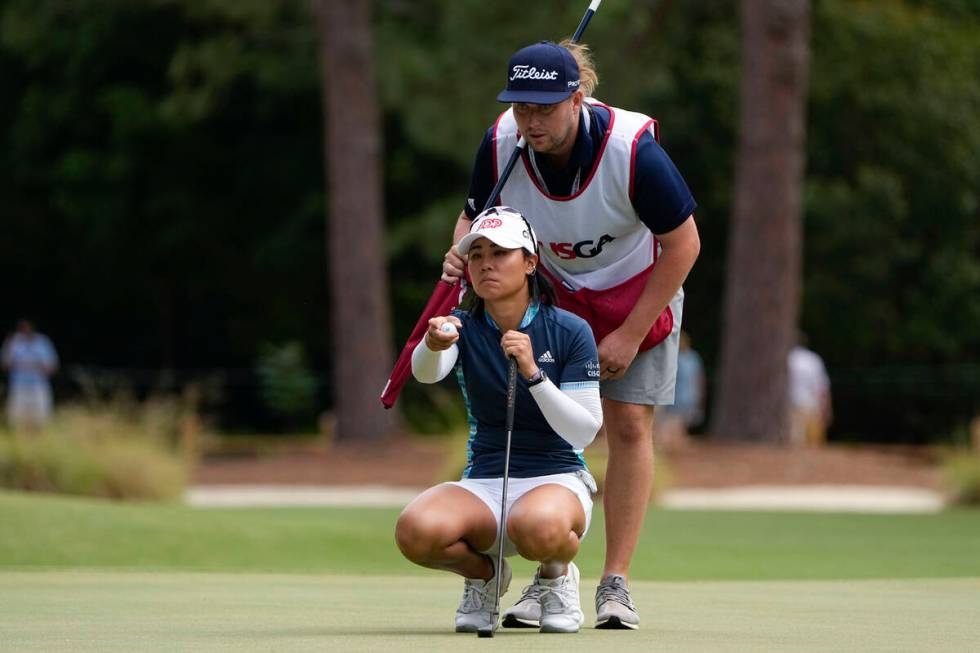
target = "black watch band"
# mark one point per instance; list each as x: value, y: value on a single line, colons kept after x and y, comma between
x: 536, y: 378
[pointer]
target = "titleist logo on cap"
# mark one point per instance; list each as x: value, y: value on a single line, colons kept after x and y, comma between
x: 530, y: 72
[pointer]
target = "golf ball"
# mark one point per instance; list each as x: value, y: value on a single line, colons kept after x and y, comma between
x: 448, y: 327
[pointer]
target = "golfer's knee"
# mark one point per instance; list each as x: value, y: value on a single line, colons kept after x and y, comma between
x: 542, y: 539
x: 420, y: 537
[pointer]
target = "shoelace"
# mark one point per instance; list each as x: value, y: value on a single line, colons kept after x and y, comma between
x: 473, y: 598
x: 532, y: 592
x: 555, y: 600
x: 613, y: 590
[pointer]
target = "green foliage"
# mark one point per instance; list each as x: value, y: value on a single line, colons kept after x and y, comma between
x: 892, y: 277
x: 96, y: 452
x: 434, y: 409
x: 165, y: 183
x: 892, y: 199
x: 288, y: 386
x: 165, y: 170
x: 961, y: 473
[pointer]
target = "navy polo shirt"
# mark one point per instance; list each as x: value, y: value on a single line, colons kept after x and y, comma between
x: 564, y: 348
x: 661, y: 197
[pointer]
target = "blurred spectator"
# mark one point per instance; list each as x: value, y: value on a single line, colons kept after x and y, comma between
x: 674, y: 422
x: 31, y: 359
x: 809, y: 396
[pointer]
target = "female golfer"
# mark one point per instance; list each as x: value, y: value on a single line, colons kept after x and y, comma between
x: 453, y: 526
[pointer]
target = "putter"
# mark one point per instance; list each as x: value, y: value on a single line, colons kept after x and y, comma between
x: 501, y: 528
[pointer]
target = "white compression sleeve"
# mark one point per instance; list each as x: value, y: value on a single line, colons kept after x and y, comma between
x: 575, y: 415
x: 430, y: 366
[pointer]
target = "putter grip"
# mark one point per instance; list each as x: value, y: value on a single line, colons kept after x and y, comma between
x: 589, y: 13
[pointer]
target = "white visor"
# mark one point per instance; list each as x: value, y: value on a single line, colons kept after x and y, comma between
x: 503, y: 226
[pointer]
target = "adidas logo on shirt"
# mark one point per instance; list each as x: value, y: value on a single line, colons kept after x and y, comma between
x: 546, y: 357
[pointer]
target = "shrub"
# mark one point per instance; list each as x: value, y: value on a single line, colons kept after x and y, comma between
x: 962, y: 475
x: 287, y: 385
x: 100, y: 451
x: 434, y: 409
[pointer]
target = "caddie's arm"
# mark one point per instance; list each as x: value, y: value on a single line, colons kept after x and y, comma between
x: 453, y: 264
x: 681, y: 247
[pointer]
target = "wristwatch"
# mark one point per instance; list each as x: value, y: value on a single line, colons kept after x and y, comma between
x: 536, y: 378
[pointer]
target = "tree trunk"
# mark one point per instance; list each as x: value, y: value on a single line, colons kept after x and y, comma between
x: 762, y: 295
x: 361, y: 325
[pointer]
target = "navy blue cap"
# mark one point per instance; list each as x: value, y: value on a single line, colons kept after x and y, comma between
x: 543, y: 73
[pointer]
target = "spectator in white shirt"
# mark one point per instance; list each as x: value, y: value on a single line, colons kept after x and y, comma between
x: 809, y: 397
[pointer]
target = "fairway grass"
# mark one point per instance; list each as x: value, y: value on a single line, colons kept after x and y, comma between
x: 120, y: 611
x: 45, y: 532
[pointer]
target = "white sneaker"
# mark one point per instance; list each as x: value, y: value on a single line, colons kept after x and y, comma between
x: 561, y: 610
x: 526, y: 613
x: 614, y: 607
x: 476, y: 609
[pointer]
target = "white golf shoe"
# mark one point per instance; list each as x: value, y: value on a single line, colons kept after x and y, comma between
x: 526, y: 613
x: 476, y: 609
x: 614, y: 607
x: 561, y: 610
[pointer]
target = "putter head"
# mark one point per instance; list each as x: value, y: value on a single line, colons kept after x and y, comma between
x: 487, y: 631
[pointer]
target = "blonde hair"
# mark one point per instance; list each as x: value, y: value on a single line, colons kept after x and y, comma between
x: 588, y: 78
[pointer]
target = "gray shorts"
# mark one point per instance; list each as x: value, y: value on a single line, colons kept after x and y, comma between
x: 652, y: 375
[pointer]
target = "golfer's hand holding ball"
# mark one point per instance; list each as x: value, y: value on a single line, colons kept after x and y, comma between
x: 443, y: 332
x: 518, y: 345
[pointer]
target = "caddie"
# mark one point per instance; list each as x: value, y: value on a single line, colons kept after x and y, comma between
x: 616, y: 233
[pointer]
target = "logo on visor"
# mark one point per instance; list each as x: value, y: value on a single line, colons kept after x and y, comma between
x: 491, y: 223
